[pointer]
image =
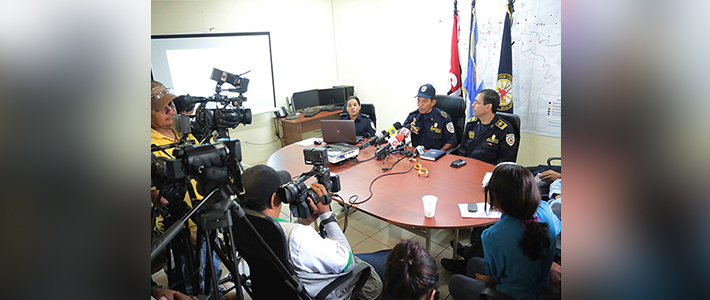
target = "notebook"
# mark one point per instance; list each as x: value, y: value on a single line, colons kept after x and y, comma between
x: 337, y: 131
x: 433, y: 154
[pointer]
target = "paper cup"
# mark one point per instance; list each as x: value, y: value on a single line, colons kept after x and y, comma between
x: 429, y: 205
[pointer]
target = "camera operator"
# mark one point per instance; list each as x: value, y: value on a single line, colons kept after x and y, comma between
x: 162, y: 133
x: 318, y: 261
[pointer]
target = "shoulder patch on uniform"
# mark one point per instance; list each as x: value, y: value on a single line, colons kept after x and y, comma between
x: 501, y: 124
x: 471, y: 119
x: 443, y: 114
x: 450, y: 127
x: 510, y: 139
x: 372, y: 124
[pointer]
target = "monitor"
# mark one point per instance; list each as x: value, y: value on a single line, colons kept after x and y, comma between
x: 305, y: 99
x: 334, y: 96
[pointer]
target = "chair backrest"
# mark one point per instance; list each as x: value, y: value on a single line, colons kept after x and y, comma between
x: 456, y: 108
x: 266, y: 279
x: 514, y: 120
x: 366, y: 108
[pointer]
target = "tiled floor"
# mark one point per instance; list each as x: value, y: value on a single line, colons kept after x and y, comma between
x: 366, y: 233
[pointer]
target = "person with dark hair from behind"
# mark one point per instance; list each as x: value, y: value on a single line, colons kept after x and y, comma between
x: 317, y: 260
x: 520, y: 247
x: 487, y: 137
x: 430, y: 126
x: 363, y: 124
x: 410, y: 273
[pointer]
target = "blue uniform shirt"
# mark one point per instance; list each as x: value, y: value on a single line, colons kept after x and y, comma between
x: 363, y: 125
x: 435, y: 129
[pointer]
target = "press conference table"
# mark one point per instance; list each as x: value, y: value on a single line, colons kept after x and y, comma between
x: 397, y: 198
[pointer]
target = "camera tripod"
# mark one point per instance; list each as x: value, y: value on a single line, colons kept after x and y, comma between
x: 212, y: 214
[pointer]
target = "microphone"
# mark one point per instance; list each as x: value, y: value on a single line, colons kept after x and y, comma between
x: 393, y: 130
x: 396, y: 140
x: 379, y: 139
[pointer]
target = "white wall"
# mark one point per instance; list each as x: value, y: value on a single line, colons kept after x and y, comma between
x: 385, y: 48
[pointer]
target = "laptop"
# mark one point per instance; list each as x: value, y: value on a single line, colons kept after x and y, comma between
x: 337, y: 131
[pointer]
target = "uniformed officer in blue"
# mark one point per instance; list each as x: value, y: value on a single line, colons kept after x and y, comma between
x: 363, y: 124
x: 430, y: 126
x: 487, y: 137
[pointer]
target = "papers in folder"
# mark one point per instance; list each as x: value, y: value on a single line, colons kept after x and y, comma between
x: 480, y: 213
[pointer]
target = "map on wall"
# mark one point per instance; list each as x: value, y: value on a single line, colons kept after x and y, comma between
x: 536, y: 35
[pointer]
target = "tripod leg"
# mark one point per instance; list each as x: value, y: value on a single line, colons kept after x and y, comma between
x: 210, y: 267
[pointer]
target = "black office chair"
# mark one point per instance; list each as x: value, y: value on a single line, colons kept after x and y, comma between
x: 514, y: 120
x: 266, y: 279
x: 366, y: 108
x: 456, y: 108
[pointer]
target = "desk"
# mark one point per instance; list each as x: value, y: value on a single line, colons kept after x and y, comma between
x: 294, y: 129
x: 397, y: 198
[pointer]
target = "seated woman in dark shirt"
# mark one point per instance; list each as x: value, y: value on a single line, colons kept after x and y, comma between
x: 363, y: 124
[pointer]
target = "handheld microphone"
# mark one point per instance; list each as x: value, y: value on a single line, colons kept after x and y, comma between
x: 379, y: 139
x: 393, y: 130
x: 396, y: 140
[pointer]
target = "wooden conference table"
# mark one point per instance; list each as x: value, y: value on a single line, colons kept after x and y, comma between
x: 397, y: 198
x: 294, y: 129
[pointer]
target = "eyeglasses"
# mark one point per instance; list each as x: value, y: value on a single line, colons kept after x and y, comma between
x: 163, y: 93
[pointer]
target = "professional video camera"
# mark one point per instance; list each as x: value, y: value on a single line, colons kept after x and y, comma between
x: 230, y: 115
x: 296, y: 191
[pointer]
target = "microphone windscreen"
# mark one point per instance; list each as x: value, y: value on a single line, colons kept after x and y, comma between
x: 397, y: 125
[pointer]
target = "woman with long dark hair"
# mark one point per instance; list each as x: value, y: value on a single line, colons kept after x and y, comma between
x: 520, y: 247
x: 410, y: 273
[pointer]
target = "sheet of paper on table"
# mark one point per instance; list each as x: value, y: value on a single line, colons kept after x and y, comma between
x: 480, y: 213
x: 308, y: 142
x: 487, y: 178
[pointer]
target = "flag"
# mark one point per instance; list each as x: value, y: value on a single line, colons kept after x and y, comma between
x: 470, y: 88
x: 504, y: 83
x: 455, y: 71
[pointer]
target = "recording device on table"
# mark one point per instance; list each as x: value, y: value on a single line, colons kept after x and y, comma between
x: 472, y: 207
x: 395, y: 143
x: 210, y: 122
x: 295, y: 192
x: 458, y: 163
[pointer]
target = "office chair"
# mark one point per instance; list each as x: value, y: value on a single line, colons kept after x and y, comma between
x: 456, y: 108
x: 266, y: 279
x: 514, y: 120
x: 366, y: 108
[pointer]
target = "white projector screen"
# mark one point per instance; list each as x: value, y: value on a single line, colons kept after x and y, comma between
x: 185, y: 62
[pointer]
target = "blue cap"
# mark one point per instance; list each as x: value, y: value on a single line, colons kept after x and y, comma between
x: 426, y: 91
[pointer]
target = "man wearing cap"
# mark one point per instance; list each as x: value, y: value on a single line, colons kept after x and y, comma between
x: 430, y: 126
x: 317, y: 261
x: 487, y: 137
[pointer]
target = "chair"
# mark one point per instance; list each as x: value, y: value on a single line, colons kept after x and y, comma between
x: 366, y: 108
x: 456, y: 108
x: 514, y: 120
x: 266, y: 279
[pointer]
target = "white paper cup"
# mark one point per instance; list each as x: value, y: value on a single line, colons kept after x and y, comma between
x: 429, y: 205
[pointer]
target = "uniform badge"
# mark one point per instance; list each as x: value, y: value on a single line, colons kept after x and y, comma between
x: 492, y: 139
x: 443, y: 114
x: 471, y: 134
x: 436, y: 124
x: 501, y: 124
x: 450, y: 127
x: 423, y: 88
x: 510, y: 139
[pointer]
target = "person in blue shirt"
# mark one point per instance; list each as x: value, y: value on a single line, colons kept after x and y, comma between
x: 363, y: 124
x: 520, y: 247
x: 430, y: 126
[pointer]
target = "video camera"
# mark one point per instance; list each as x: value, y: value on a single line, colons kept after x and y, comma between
x: 230, y: 115
x: 296, y: 191
x: 211, y: 165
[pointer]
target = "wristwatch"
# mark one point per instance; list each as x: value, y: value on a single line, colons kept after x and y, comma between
x: 332, y: 218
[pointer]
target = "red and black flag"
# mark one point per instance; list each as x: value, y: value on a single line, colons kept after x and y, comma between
x: 504, y: 83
